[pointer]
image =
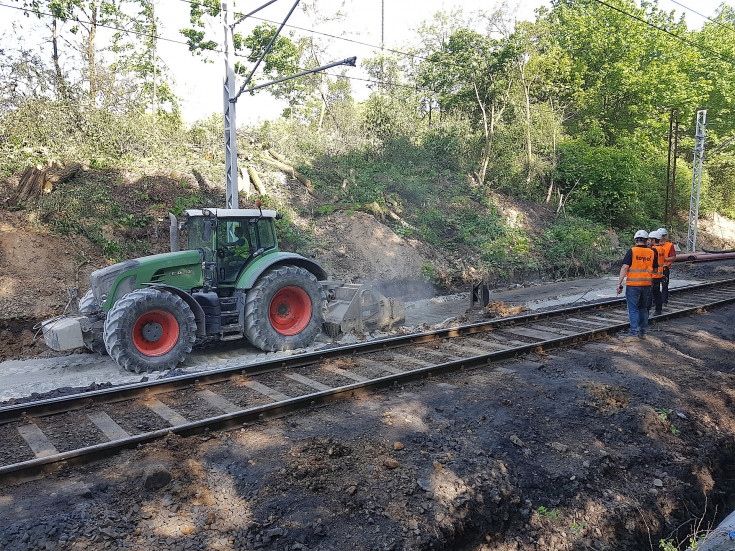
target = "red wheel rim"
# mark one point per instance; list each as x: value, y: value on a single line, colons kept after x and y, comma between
x: 155, y: 333
x: 290, y: 310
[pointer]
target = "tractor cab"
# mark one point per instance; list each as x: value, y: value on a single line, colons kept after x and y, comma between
x: 228, y: 240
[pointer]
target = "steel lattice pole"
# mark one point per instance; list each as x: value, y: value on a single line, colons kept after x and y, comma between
x: 229, y: 111
x: 699, y: 137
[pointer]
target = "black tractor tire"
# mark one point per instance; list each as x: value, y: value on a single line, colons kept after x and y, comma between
x: 285, y: 309
x: 149, y: 330
x: 88, y: 306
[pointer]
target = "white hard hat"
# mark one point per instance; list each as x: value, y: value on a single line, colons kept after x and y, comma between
x: 655, y: 234
x: 662, y: 231
x: 641, y: 234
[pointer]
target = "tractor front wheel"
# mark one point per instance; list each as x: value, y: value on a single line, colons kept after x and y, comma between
x: 149, y: 330
x: 285, y: 309
x: 88, y: 306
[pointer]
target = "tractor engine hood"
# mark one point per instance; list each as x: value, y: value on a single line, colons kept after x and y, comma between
x: 102, y: 281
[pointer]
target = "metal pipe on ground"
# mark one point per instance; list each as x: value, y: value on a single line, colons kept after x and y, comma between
x: 703, y: 257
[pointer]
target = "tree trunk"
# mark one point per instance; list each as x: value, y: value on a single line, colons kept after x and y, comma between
x: 61, y: 86
x: 527, y: 93
x: 255, y: 179
x: 91, y: 66
x: 201, y: 179
x: 553, y: 161
x: 488, y: 136
x: 154, y: 31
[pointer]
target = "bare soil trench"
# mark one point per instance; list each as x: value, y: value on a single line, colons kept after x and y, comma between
x: 610, y: 445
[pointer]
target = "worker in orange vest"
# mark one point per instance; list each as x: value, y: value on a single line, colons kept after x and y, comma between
x: 638, y: 265
x: 668, y: 258
x: 657, y: 274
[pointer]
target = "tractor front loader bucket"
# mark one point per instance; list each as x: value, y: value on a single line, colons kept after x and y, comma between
x: 357, y: 307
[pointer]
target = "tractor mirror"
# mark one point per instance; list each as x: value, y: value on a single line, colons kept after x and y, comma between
x: 207, y: 231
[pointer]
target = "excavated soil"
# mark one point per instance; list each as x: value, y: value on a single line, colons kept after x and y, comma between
x: 611, y: 445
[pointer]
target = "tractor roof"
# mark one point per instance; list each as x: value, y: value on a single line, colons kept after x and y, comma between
x: 232, y: 213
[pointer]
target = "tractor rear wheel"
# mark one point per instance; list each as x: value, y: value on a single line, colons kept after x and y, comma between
x: 88, y: 306
x: 285, y: 309
x: 149, y: 330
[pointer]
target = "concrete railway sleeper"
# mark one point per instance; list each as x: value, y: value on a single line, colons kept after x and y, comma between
x: 108, y: 420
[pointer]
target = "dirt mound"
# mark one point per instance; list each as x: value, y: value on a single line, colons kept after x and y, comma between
x: 358, y: 247
x: 36, y: 268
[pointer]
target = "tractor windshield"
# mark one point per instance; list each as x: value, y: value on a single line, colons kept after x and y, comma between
x: 236, y: 242
x: 198, y: 228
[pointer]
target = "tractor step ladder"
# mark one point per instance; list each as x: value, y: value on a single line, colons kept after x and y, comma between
x: 231, y: 328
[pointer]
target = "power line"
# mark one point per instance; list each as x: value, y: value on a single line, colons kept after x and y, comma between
x: 348, y: 40
x: 664, y: 30
x: 312, y: 31
x: 702, y: 15
x: 76, y: 19
x: 217, y: 51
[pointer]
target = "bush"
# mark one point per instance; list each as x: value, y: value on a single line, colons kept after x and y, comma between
x: 576, y: 247
x: 613, y: 186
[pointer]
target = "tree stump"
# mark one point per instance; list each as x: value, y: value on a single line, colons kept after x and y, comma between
x: 33, y: 181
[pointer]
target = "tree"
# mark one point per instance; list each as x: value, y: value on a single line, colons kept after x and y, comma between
x: 626, y: 72
x: 77, y: 23
x: 471, y: 73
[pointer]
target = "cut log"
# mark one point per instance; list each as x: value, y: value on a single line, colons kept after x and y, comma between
x: 56, y: 175
x: 34, y: 181
x: 291, y: 171
x: 255, y: 179
x: 243, y: 184
x: 278, y: 157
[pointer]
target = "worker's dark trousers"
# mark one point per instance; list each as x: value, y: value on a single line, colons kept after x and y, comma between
x: 656, y: 294
x: 665, y: 286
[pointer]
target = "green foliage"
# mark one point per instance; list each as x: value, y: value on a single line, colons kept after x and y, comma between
x: 692, y: 544
x: 42, y: 131
x: 577, y: 528
x: 388, y: 118
x: 428, y: 273
x: 184, y: 202
x: 576, y: 247
x: 552, y: 514
x: 614, y: 186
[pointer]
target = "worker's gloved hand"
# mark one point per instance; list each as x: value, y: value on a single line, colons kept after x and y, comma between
x: 620, y: 289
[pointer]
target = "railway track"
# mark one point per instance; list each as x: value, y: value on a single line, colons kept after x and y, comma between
x: 53, y: 433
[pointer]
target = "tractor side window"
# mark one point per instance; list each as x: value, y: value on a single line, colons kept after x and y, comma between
x: 265, y: 232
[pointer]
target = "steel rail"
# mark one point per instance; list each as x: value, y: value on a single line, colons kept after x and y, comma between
x: 34, y: 467
x: 63, y: 404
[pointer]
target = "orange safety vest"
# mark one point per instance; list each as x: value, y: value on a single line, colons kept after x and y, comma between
x: 639, y: 273
x: 668, y: 251
x: 658, y: 274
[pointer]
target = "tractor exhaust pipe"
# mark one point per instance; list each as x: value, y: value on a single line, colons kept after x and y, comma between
x: 174, y: 232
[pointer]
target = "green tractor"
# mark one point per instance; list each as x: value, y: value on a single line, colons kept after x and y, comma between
x: 231, y: 282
